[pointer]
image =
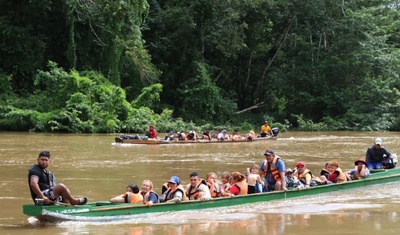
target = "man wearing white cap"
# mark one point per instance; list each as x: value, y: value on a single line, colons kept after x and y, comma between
x: 375, y: 155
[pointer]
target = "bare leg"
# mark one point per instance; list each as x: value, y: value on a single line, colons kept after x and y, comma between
x: 63, y: 191
x: 278, y: 185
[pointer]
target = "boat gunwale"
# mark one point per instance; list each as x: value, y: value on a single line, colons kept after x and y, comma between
x: 88, y: 211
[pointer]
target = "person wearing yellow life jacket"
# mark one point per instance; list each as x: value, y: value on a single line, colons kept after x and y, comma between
x: 239, y: 185
x: 175, y: 192
x: 132, y: 195
x: 197, y: 189
x: 337, y: 175
x: 360, y: 170
x: 212, y: 184
x: 273, y: 169
x: 149, y: 196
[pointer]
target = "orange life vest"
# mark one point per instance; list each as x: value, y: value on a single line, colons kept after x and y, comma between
x: 342, y: 176
x: 242, y: 185
x: 303, y: 175
x: 146, y: 197
x: 133, y: 197
x: 192, y: 193
x: 171, y: 193
x: 214, y: 190
x: 274, y: 170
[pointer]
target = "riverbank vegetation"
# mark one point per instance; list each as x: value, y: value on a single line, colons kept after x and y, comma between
x: 117, y: 66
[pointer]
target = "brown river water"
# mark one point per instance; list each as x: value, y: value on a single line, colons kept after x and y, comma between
x: 91, y: 166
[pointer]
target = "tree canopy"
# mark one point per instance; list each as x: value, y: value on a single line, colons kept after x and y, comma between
x: 109, y: 66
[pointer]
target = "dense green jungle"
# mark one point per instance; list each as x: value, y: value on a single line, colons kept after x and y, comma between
x: 107, y: 66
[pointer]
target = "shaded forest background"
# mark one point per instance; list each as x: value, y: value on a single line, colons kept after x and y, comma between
x: 118, y: 66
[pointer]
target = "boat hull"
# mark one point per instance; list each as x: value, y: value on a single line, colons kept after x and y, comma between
x: 119, y: 140
x: 106, y: 211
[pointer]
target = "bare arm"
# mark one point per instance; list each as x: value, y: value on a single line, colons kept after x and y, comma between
x: 34, y: 184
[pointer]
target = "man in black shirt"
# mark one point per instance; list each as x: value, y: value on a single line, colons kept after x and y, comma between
x: 375, y: 155
x: 43, y: 187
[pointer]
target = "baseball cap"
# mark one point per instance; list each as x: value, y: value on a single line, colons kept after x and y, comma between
x: 300, y: 164
x: 174, y: 180
x: 289, y: 170
x: 378, y: 141
x: 269, y: 152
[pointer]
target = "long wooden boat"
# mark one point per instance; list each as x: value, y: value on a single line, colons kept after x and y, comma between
x: 106, y: 211
x: 119, y: 140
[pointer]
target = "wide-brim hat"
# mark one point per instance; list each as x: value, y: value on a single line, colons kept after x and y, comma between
x: 362, y: 160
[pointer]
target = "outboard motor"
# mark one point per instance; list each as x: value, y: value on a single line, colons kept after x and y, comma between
x: 275, y: 131
x: 389, y: 163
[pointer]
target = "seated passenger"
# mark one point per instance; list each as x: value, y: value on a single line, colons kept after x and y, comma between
x: 225, y: 187
x: 197, y: 189
x: 222, y: 135
x: 239, y: 185
x: 360, y: 170
x: 206, y: 135
x: 180, y: 135
x: 235, y: 135
x: 304, y: 175
x: 375, y: 155
x: 325, y: 172
x: 250, y: 136
x: 132, y: 195
x: 151, y: 133
x: 337, y: 175
x: 265, y: 130
x: 170, y: 136
x: 175, y: 192
x: 254, y: 182
x: 211, y: 180
x: 291, y: 180
x: 192, y: 135
x: 149, y: 196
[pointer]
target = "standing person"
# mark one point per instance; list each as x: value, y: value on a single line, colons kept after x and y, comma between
x: 175, y: 192
x: 197, y: 189
x: 375, y: 155
x: 273, y: 169
x: 131, y: 195
x: 149, y: 196
x: 265, y: 130
x: 151, y: 132
x: 43, y: 187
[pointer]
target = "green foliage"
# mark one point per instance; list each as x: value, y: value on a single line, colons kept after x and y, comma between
x: 149, y: 97
x: 309, y: 125
x: 201, y: 64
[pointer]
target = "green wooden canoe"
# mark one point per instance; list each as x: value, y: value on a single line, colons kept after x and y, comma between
x: 106, y: 211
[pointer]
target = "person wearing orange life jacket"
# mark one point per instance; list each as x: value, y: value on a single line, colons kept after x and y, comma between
x: 197, y: 189
x: 304, y: 175
x: 175, y: 192
x: 149, y: 196
x: 273, y: 169
x: 239, y: 185
x: 360, y: 170
x: 212, y: 184
x: 132, y: 195
x: 337, y: 175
